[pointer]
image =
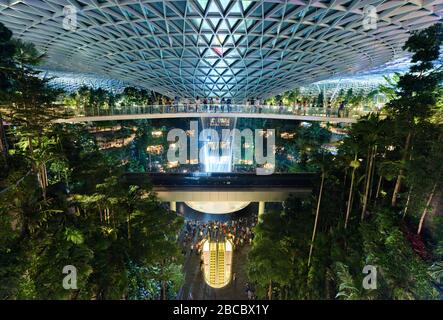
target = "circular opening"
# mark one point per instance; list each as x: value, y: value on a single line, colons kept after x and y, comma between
x: 217, y: 207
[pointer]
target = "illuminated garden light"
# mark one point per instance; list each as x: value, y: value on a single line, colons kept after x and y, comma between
x: 157, y: 134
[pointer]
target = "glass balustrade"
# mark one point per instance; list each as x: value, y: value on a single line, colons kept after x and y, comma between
x: 221, y: 109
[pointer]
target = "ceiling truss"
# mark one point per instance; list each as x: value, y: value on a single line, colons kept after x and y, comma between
x: 224, y: 48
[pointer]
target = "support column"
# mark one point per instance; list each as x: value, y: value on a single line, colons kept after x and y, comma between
x: 173, y: 206
x: 261, y: 210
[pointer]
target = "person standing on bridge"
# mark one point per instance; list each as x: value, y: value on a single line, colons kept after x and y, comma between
x: 217, y: 104
x: 185, y: 104
x: 205, y: 104
x: 280, y: 106
x: 257, y: 105
x: 197, y: 104
x: 252, y: 105
x: 176, y: 102
x: 211, y: 102
x: 229, y: 102
x: 305, y: 107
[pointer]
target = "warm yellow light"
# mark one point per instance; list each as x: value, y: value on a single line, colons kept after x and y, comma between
x: 269, y: 166
x: 266, y: 133
x: 245, y: 161
x: 287, y: 135
x: 173, y: 164
x: 157, y: 134
x: 217, y: 263
x: 155, y: 149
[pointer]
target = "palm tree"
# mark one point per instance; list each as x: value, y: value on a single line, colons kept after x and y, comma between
x: 417, y: 92
x: 317, y: 213
x: 373, y: 132
x: 368, y: 133
x: 426, y: 209
x: 389, y: 89
x: 355, y: 164
x: 323, y: 161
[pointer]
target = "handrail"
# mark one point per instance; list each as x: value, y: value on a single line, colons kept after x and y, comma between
x: 220, y: 108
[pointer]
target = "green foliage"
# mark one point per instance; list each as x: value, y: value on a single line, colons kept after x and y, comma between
x: 124, y: 243
x: 99, y: 225
x: 7, y: 50
x: 402, y: 274
x: 73, y: 235
x: 348, y: 289
x: 280, y: 251
x: 436, y: 272
x: 416, y: 90
x: 320, y: 100
x: 31, y: 105
x: 404, y: 144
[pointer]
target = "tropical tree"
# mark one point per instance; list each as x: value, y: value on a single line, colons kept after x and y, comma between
x: 417, y: 92
x: 322, y: 163
x: 355, y: 164
x: 31, y: 108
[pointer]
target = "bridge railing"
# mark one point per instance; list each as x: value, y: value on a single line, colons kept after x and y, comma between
x: 220, y: 108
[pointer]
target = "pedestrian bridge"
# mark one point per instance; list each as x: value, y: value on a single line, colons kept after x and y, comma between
x: 224, y: 187
x: 332, y: 115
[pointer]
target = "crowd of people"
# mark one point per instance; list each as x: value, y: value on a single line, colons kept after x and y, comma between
x: 214, y: 104
x: 238, y: 230
x: 255, y: 105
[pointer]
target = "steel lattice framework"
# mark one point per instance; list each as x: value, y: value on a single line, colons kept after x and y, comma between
x: 220, y: 48
x: 71, y: 82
